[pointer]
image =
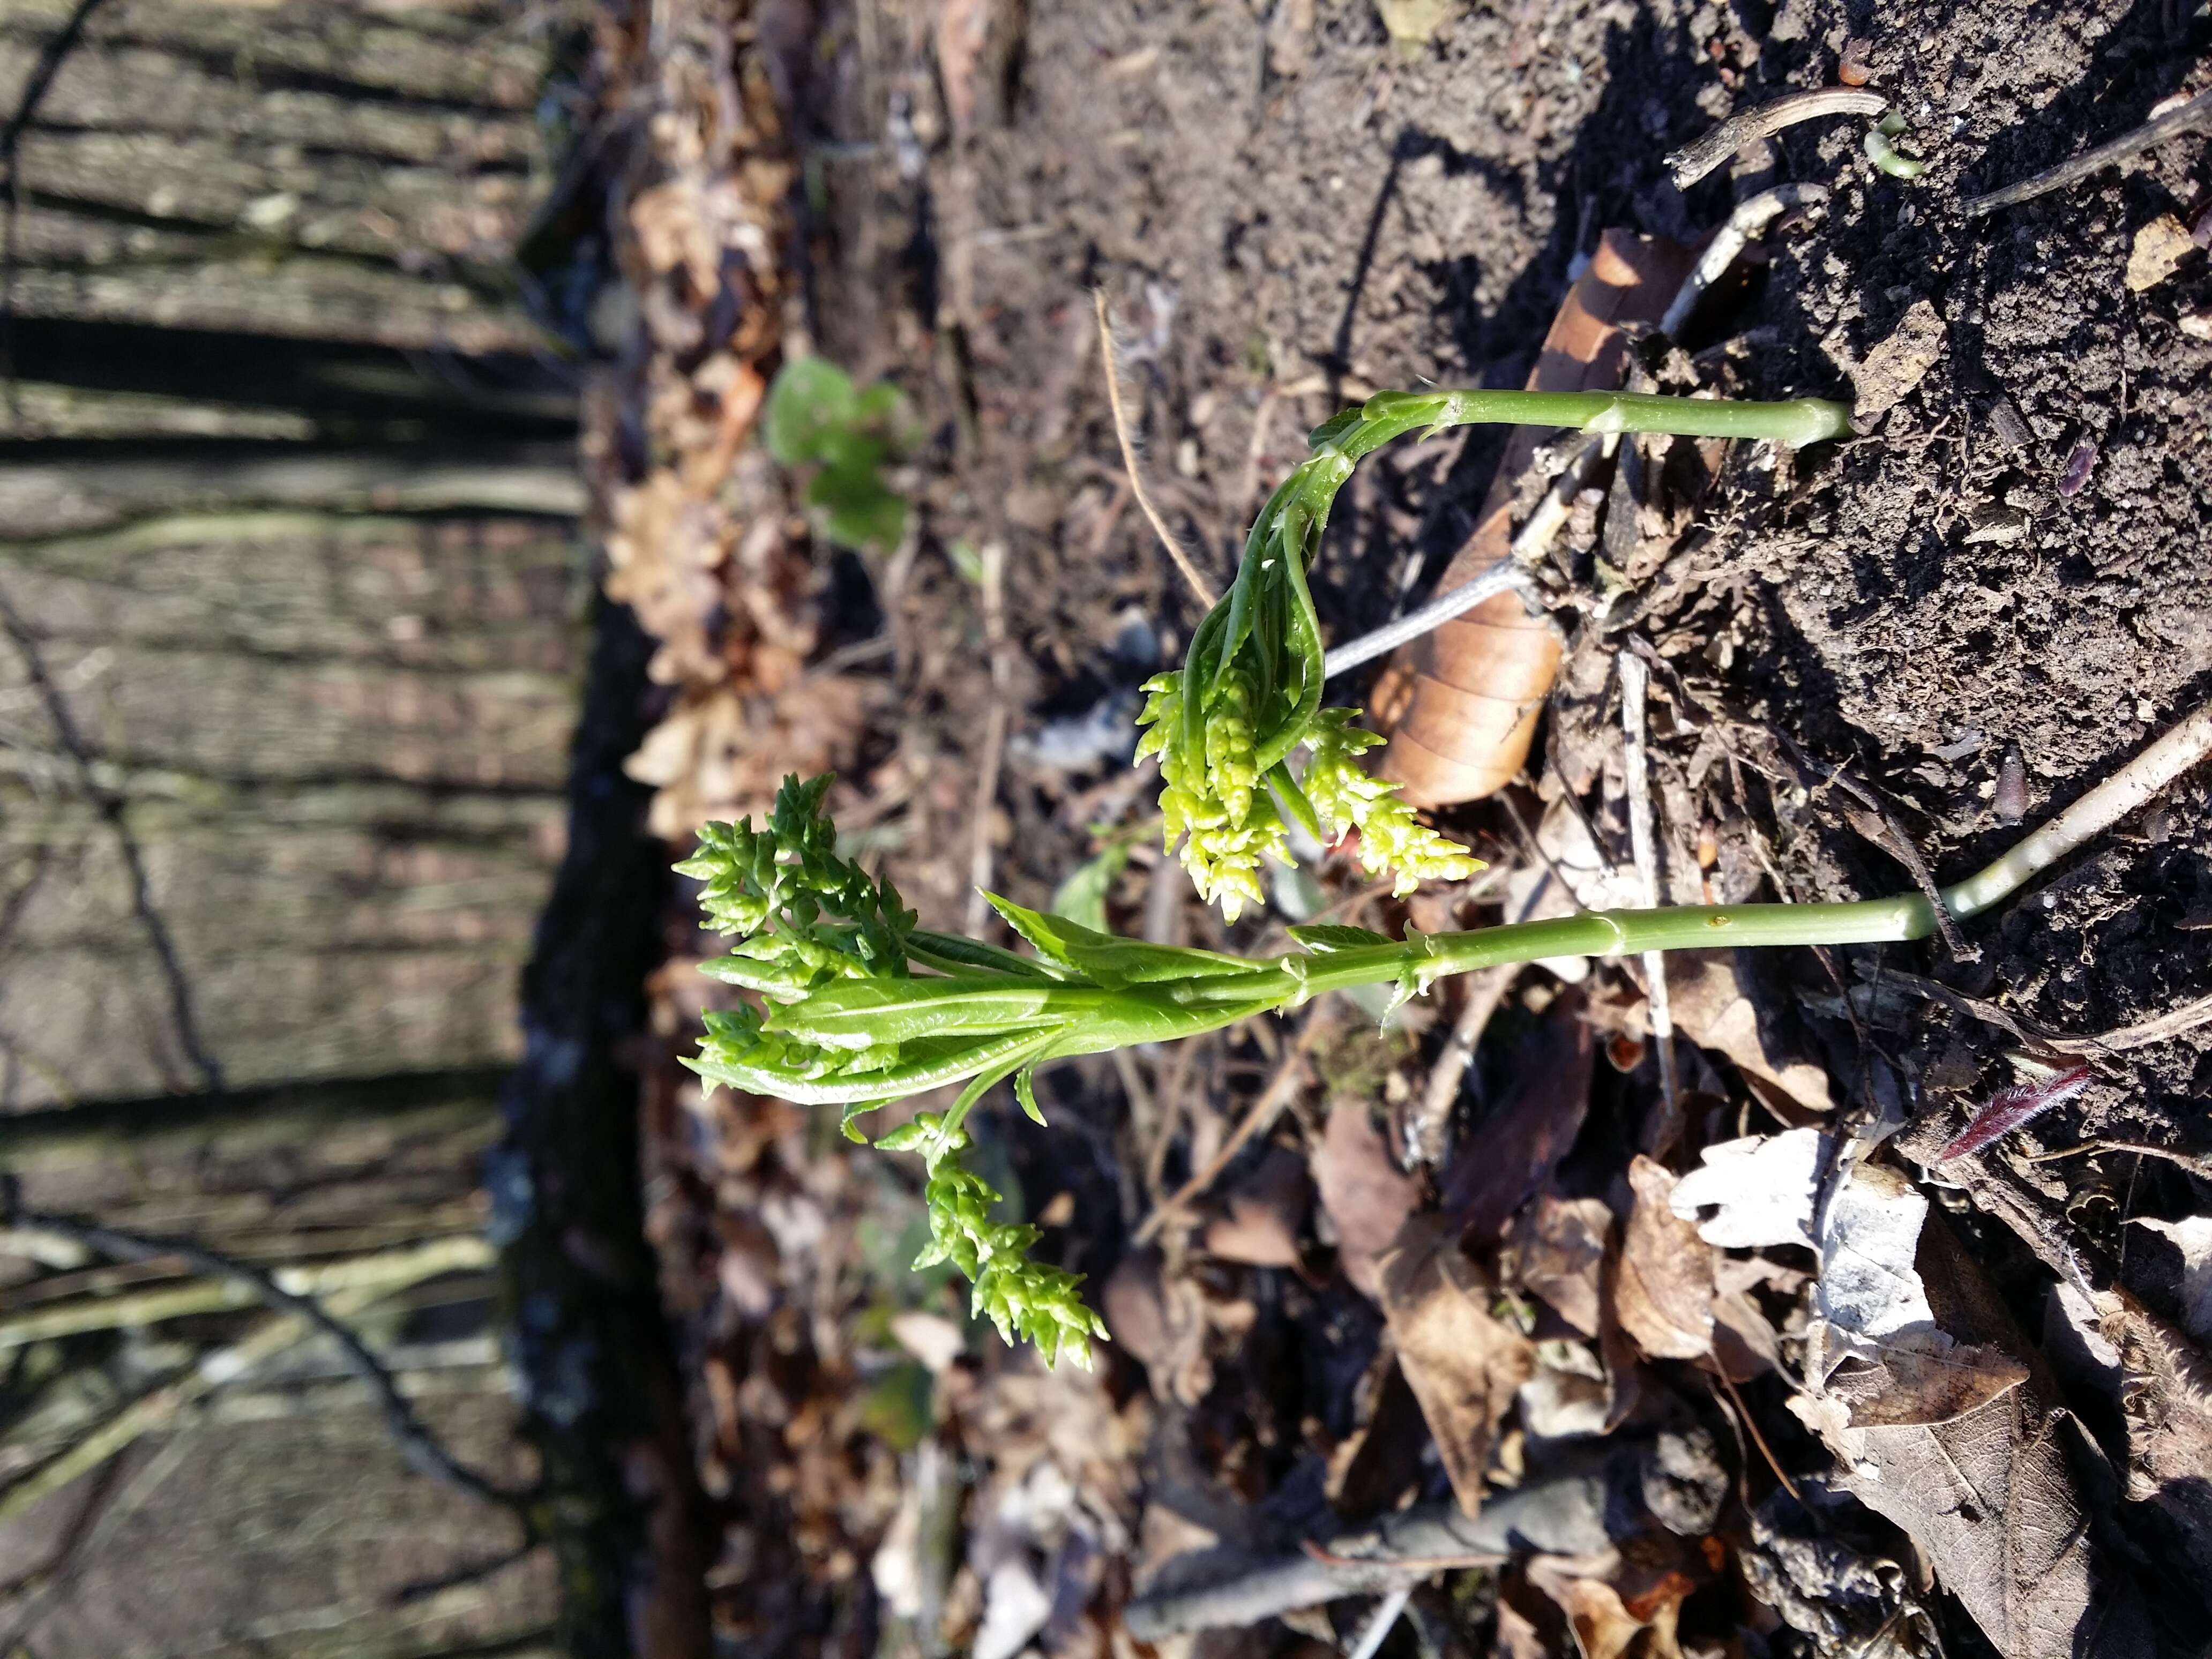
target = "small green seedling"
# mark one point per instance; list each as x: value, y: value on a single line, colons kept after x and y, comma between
x: 1885, y: 154
x: 817, y: 418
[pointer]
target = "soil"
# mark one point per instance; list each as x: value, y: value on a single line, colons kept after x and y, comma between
x: 1286, y: 210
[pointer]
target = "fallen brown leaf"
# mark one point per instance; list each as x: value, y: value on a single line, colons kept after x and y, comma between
x: 1560, y: 1247
x: 1523, y: 1142
x: 1989, y: 1496
x: 1712, y: 1007
x: 1664, y: 1294
x: 1260, y: 1228
x: 1367, y: 1196
x: 1463, y: 1364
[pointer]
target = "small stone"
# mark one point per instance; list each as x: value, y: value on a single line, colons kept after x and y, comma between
x: 2159, y: 248
x: 1897, y: 365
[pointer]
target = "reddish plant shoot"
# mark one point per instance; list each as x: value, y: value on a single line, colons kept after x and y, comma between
x: 2010, y: 1107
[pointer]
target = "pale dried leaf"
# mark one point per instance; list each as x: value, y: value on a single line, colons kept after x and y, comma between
x: 1922, y: 1376
x: 1463, y: 1363
x: 1367, y: 1195
x: 1762, y: 1190
x: 1989, y: 1495
x: 1664, y: 1292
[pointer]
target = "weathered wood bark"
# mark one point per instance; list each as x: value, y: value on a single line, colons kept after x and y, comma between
x: 273, y: 1517
x: 283, y: 721
x: 291, y: 651
x: 318, y: 170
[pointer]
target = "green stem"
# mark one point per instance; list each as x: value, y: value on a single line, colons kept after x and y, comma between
x: 1390, y: 414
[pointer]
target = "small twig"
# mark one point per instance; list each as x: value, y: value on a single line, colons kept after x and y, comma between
x: 1501, y: 577
x: 1751, y: 217
x: 1199, y: 585
x: 980, y: 854
x: 2157, y: 1029
x: 2201, y: 1168
x: 1701, y: 155
x: 2197, y: 113
x: 1758, y: 1439
x: 2126, y: 790
x: 1485, y: 991
x: 1417, y: 1565
x: 416, y: 1443
x: 1635, y: 682
x: 1290, y: 1072
x: 2141, y: 1035
x: 1530, y: 544
x: 1379, y: 1623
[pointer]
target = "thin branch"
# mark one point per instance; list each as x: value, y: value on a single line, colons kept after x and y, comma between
x: 109, y: 805
x: 416, y: 1443
x: 1751, y: 217
x: 2127, y: 789
x: 1635, y: 682
x: 2197, y: 113
x: 1290, y: 1072
x: 1380, y: 1623
x: 1530, y: 544
x: 1199, y: 585
x: 1486, y: 990
x: 1701, y: 155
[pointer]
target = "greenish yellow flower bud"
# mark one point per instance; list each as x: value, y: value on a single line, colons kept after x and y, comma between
x: 1392, y: 841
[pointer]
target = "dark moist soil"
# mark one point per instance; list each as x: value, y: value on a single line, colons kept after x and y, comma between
x: 1287, y: 211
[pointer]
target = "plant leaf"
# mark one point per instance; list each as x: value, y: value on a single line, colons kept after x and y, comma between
x: 1111, y: 960
x: 1322, y: 937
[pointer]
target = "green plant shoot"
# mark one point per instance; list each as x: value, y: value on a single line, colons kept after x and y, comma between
x: 1248, y: 698
x: 817, y: 417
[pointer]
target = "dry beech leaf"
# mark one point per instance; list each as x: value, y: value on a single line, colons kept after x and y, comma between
x: 2161, y: 1386
x: 1610, y: 1603
x: 1762, y: 1189
x: 1989, y: 1496
x: 720, y: 756
x: 1664, y: 1293
x: 1560, y: 1244
x: 1367, y: 1195
x: 1463, y: 1363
